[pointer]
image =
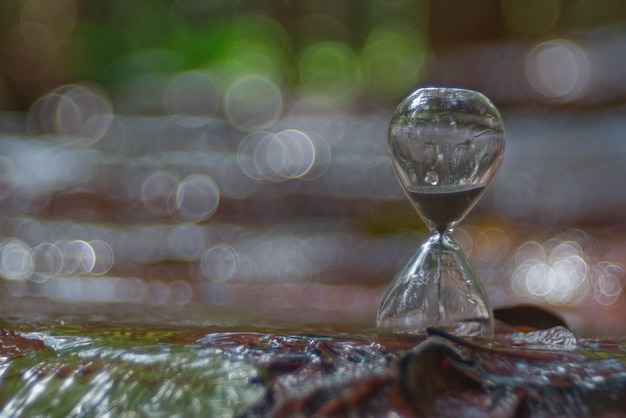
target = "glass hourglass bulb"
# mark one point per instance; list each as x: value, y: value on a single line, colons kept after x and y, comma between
x: 445, y: 145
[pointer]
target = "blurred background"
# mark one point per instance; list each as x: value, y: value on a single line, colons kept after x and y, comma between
x: 173, y: 160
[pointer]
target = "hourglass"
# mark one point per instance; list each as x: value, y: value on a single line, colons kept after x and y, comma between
x: 445, y: 145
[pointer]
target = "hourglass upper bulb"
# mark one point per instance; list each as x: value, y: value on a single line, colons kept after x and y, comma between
x: 445, y: 145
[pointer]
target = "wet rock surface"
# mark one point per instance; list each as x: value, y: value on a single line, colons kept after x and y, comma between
x: 98, y: 370
x: 540, y: 373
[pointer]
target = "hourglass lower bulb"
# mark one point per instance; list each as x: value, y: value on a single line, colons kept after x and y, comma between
x: 445, y: 146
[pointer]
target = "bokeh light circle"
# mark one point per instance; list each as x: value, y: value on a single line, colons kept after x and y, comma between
x: 197, y: 198
x: 252, y: 103
x: 322, y: 159
x: 558, y: 70
x: 47, y: 262
x: 219, y: 263
x: 78, y: 256
x: 269, y: 157
x: 330, y: 69
x: 104, y: 257
x: 291, y: 153
x: 16, y: 262
x: 180, y: 292
x: 192, y: 99
x: 158, y: 193
x: 76, y: 111
x: 245, y: 154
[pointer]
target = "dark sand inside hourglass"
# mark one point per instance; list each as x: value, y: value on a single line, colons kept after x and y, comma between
x: 442, y: 205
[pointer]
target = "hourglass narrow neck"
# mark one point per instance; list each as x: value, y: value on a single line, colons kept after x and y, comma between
x: 440, y: 241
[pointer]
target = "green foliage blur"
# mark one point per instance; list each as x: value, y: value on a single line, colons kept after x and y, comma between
x: 345, y: 50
